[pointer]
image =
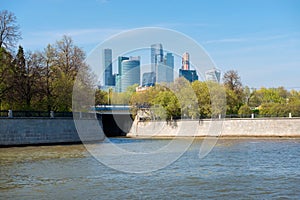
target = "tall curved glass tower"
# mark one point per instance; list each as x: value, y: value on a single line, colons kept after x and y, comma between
x: 130, y: 72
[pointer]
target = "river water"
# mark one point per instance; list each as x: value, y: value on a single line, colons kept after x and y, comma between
x: 234, y: 169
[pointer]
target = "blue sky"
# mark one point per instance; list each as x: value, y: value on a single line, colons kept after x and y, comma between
x: 259, y: 39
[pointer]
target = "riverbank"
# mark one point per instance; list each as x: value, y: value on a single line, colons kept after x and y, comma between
x: 44, y: 131
x: 23, y: 131
x: 41, y: 131
x: 232, y: 128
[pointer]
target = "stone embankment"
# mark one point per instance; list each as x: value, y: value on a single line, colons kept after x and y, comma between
x: 260, y: 127
x: 33, y: 131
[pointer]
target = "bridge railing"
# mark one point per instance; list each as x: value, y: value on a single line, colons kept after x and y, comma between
x: 111, y: 107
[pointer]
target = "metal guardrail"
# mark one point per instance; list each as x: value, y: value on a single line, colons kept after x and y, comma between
x: 3, y: 113
x: 30, y: 114
x: 45, y: 114
x: 89, y: 115
x: 290, y: 115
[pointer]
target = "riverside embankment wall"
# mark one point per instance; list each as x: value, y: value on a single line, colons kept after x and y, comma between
x: 30, y: 131
x: 268, y: 127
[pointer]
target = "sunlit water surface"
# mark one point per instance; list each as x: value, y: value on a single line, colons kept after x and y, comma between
x: 235, y: 169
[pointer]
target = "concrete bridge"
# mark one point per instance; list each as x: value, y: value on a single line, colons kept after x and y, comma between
x: 116, y: 119
x: 32, y: 127
x: 112, y: 109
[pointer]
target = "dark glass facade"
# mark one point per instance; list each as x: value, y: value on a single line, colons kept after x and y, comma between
x: 190, y: 75
x: 148, y: 79
x: 109, y: 79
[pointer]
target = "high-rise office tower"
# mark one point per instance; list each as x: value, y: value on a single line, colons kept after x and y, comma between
x: 120, y: 59
x: 118, y: 83
x: 186, y: 61
x: 149, y: 79
x: 169, y: 62
x: 130, y: 72
x: 118, y: 76
x: 156, y: 57
x: 109, y: 79
x: 213, y: 75
x: 190, y: 75
x: 161, y: 73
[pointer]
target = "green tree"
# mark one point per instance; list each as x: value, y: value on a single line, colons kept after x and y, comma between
x: 124, y: 97
x: 34, y: 82
x: 186, y: 97
x: 218, y: 98
x: 19, y: 91
x: 247, y: 94
x: 245, y: 110
x: 234, y: 91
x: 274, y: 109
x: 68, y: 60
x: 204, y: 102
x: 233, y: 102
x: 6, y: 75
x: 269, y: 95
x: 26, y: 92
x: 255, y: 99
x: 166, y: 105
x: 101, y: 97
x: 48, y: 60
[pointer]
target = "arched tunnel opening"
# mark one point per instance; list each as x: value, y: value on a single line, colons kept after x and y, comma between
x: 116, y: 125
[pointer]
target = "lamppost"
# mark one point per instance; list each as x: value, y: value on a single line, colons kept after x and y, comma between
x: 108, y: 96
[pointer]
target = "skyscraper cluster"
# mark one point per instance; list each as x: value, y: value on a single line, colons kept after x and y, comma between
x: 162, y: 67
x: 129, y: 69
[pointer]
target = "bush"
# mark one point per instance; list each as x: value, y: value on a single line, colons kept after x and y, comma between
x: 245, y: 110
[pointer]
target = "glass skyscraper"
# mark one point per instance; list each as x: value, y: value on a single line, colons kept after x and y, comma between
x: 186, y: 61
x: 120, y: 59
x: 149, y: 79
x: 165, y: 73
x: 130, y: 73
x: 118, y: 76
x: 161, y: 73
x: 213, y: 75
x: 169, y: 62
x: 190, y: 75
x: 156, y: 57
x: 109, y: 79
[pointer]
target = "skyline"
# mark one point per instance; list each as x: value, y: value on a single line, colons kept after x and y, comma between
x: 261, y: 40
x: 164, y: 65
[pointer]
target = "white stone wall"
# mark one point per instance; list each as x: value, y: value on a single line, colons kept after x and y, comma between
x: 272, y: 127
